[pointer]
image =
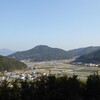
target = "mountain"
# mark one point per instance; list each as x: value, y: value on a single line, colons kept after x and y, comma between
x: 83, y: 51
x: 6, y: 52
x: 10, y: 64
x: 93, y: 57
x: 43, y: 53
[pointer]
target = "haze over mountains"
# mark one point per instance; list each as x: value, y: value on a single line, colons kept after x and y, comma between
x: 46, y: 53
x: 6, y: 52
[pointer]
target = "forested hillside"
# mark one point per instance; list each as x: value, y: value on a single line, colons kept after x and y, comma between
x: 45, y: 53
x: 42, y: 53
x: 10, y: 64
x: 90, y: 58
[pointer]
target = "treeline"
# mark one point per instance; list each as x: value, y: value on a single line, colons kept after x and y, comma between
x: 10, y: 64
x: 52, y: 88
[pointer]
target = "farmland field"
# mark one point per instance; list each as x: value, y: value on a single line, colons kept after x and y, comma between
x: 61, y: 67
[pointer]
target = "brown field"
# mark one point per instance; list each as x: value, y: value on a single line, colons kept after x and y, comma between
x: 60, y: 68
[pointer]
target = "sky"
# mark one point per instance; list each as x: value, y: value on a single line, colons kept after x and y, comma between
x: 66, y: 24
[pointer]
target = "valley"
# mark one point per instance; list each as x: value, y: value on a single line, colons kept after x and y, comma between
x: 46, y: 60
x: 61, y: 67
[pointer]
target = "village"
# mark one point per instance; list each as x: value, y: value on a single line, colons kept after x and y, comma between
x: 86, y: 64
x: 21, y: 76
x: 63, y: 67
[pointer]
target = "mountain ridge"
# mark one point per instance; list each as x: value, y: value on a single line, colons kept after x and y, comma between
x: 43, y: 52
x: 93, y: 57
